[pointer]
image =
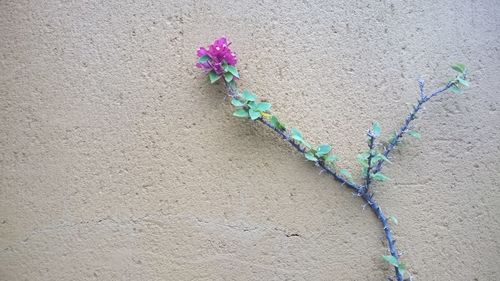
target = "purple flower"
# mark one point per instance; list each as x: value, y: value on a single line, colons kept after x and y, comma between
x: 216, y: 55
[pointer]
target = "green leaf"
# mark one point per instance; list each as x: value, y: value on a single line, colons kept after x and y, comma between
x: 296, y: 135
x: 364, y: 155
x: 241, y: 113
x: 310, y: 156
x: 263, y: 106
x: 455, y: 89
x: 237, y: 102
x: 213, y: 76
x: 379, y: 156
x: 232, y: 84
x: 254, y: 114
x: 402, y: 268
x: 392, y: 260
x: 331, y: 158
x: 362, y: 160
x: 346, y: 173
x: 463, y: 82
x: 394, y: 219
x: 248, y: 96
x: 376, y: 129
x: 323, y: 149
x: 306, y: 144
x: 392, y: 136
x: 458, y: 67
x: 252, y: 104
x: 415, y: 134
x: 276, y: 123
x: 379, y: 177
x: 228, y: 77
x: 233, y: 71
x: 204, y: 59
x: 364, y: 171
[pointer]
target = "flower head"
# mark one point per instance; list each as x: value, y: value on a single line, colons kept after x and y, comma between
x: 216, y: 56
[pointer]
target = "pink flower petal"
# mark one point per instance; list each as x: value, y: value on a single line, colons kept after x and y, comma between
x: 201, y: 52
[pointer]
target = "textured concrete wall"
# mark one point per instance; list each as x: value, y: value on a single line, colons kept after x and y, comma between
x: 119, y: 162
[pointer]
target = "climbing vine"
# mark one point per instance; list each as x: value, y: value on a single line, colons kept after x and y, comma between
x: 219, y: 62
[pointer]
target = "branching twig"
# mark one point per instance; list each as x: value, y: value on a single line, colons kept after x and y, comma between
x: 406, y: 124
x: 359, y: 189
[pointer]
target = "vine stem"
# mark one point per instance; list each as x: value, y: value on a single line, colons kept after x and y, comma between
x: 360, y: 190
x: 391, y: 242
x: 232, y: 92
x: 410, y: 117
x: 371, y: 146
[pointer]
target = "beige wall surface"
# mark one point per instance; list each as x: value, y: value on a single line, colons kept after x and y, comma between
x: 120, y: 162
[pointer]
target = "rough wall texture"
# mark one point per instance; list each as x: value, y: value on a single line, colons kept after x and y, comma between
x: 119, y: 162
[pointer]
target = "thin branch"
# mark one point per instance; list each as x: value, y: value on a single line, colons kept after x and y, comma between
x: 232, y: 92
x: 368, y: 197
x: 371, y: 146
x: 410, y: 117
x: 421, y: 85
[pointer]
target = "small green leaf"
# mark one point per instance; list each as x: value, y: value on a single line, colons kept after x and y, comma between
x: 233, y: 71
x: 254, y: 114
x: 346, y: 173
x: 237, y: 102
x: 263, y: 106
x: 363, y: 157
x: 458, y: 67
x: 364, y: 171
x: 306, y: 144
x: 241, y: 113
x: 455, y: 89
x: 394, y: 219
x: 252, y: 104
x: 402, y: 268
x: 392, y: 137
x: 376, y: 129
x: 463, y: 82
x: 378, y: 157
x: 296, y: 135
x: 323, y: 149
x: 379, y: 177
x: 331, y: 158
x: 248, y: 96
x: 310, y: 156
x: 232, y: 84
x: 362, y: 160
x: 415, y: 134
x: 204, y: 59
x: 213, y: 76
x: 228, y: 77
x: 276, y: 123
x: 392, y: 260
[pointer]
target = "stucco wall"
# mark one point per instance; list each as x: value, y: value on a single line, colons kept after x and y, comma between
x: 119, y: 162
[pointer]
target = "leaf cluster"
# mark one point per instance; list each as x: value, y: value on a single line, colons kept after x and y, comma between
x: 460, y: 80
x: 248, y: 106
x: 230, y: 72
x: 394, y: 262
